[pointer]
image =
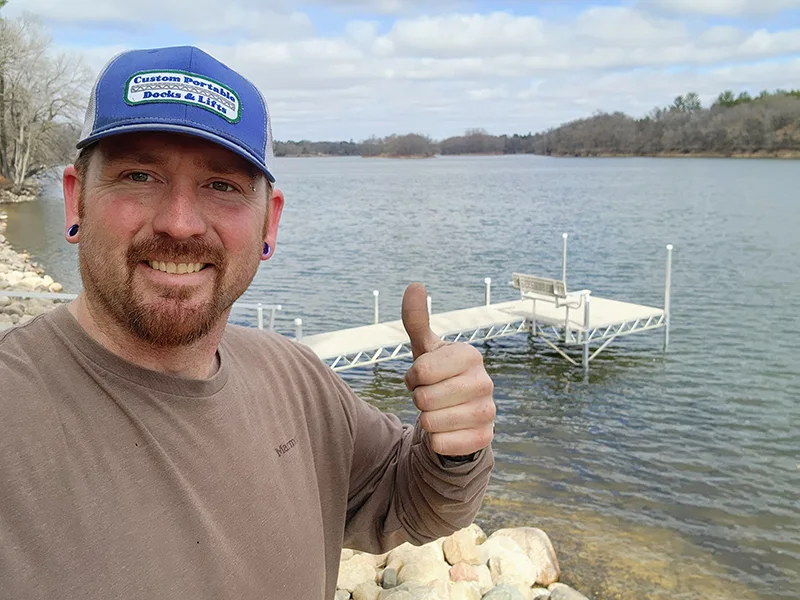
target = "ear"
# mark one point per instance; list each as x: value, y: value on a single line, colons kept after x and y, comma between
x: 71, y: 185
x: 274, y: 210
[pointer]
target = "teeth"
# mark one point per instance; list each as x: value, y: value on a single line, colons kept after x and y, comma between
x: 178, y: 268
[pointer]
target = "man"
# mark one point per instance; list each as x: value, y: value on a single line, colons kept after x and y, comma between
x: 147, y: 448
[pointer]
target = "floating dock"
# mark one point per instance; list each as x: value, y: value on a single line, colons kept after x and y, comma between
x: 546, y: 310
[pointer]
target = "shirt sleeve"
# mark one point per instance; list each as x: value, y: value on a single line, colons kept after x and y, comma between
x: 399, y: 490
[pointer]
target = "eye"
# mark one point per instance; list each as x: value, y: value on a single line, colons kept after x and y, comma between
x: 139, y: 176
x: 222, y: 186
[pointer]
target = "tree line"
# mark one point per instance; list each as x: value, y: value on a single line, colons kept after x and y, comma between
x: 42, y: 99
x: 733, y: 124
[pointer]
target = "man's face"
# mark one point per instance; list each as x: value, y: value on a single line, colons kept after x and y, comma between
x: 171, y: 233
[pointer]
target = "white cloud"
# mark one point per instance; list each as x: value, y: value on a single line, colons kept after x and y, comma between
x: 442, y: 73
x: 724, y: 8
x: 202, y: 17
x: 467, y: 35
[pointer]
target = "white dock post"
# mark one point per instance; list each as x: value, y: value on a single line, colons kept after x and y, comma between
x: 667, y: 292
x: 564, y: 237
x: 586, y: 329
x: 298, y: 329
x: 375, y: 295
x: 260, y: 310
x: 488, y: 291
x: 272, y: 316
x: 429, y: 306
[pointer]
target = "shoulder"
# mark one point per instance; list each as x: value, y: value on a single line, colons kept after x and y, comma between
x: 26, y: 353
x: 26, y: 345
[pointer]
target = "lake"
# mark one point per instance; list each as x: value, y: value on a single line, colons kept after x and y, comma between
x: 670, y: 475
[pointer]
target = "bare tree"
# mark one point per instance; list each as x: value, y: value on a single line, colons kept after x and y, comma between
x: 41, y: 95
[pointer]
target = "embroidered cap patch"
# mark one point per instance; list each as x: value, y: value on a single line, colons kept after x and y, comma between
x: 146, y: 87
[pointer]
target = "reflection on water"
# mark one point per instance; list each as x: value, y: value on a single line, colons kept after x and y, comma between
x: 662, y: 476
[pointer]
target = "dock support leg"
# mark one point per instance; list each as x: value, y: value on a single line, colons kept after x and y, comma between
x: 260, y: 311
x: 667, y: 292
x: 488, y: 290
x: 375, y: 295
x: 564, y: 258
x: 298, y: 329
x: 586, y: 332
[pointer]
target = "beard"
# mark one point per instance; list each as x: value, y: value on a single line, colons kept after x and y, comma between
x: 173, y: 316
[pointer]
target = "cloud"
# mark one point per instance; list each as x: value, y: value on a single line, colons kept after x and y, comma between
x: 442, y: 73
x: 723, y: 8
x: 201, y: 17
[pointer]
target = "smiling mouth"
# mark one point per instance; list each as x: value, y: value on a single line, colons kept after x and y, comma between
x: 176, y: 268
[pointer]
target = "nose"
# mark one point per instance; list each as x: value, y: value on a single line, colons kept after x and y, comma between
x: 179, y: 212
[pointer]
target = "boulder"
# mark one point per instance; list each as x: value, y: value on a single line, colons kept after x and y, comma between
x: 353, y: 572
x: 408, y: 553
x: 504, y: 592
x: 463, y: 572
x: 462, y: 546
x: 561, y: 591
x: 369, y: 590
x: 539, y: 549
x: 464, y: 590
x: 424, y: 572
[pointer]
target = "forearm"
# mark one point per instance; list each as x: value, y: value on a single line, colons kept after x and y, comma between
x: 412, y: 496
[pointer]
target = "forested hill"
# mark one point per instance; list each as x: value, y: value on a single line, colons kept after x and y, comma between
x: 768, y: 124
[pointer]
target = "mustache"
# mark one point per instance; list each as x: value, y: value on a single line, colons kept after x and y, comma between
x: 193, y: 250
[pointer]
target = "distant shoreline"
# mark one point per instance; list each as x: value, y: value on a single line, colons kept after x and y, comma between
x: 776, y: 154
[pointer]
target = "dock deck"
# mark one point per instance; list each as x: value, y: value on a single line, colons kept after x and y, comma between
x: 608, y: 319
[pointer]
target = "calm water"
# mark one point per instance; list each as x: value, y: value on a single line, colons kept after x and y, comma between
x: 663, y: 476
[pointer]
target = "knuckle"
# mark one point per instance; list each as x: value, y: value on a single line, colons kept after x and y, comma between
x: 421, y: 398
x: 475, y: 354
x: 422, y: 370
x: 485, y: 384
x: 485, y: 437
x: 426, y: 421
x: 485, y: 412
x: 437, y: 444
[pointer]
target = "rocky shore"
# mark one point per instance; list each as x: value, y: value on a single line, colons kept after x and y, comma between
x: 18, y: 273
x: 29, y: 193
x: 510, y: 564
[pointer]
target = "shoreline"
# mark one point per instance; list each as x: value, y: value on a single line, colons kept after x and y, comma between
x: 516, y: 563
x: 771, y: 155
x: 19, y: 274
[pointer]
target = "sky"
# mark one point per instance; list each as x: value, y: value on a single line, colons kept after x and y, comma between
x: 351, y: 69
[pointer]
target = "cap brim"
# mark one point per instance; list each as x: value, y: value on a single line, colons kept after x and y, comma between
x: 166, y: 127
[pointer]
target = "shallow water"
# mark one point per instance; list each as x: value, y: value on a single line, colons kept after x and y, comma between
x: 663, y: 476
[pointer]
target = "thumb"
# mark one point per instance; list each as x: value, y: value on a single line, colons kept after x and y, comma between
x: 417, y: 321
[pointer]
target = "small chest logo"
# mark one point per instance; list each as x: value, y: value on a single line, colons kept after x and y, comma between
x: 146, y: 87
x: 285, y: 447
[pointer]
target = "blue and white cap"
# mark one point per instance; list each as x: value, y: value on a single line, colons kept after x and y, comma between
x: 181, y: 90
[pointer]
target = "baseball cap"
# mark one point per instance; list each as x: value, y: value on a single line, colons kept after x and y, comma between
x: 182, y: 90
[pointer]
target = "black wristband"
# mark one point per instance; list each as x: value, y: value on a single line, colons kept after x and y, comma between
x: 458, y: 460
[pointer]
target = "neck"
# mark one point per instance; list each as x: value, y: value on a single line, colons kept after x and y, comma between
x: 197, y: 361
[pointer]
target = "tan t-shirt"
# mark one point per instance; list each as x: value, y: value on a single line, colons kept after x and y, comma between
x: 120, y: 482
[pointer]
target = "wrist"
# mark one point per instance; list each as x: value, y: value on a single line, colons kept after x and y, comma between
x: 463, y: 459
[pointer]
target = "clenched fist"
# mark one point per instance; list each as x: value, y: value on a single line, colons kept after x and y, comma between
x: 450, y: 385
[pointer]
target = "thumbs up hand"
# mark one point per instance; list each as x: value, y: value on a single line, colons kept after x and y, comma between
x: 450, y: 385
